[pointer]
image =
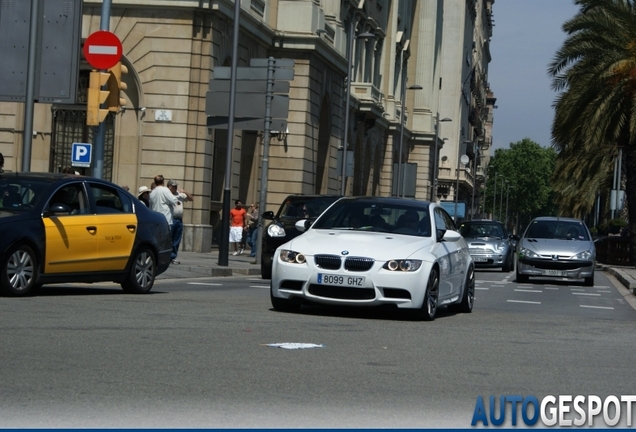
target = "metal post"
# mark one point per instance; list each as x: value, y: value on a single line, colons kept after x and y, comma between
x: 456, y: 186
x: 501, y: 200
x: 343, y: 159
x: 225, y: 218
x: 436, y: 155
x: 30, y: 90
x: 400, y: 182
x: 494, y: 198
x: 472, y: 203
x: 100, y: 130
x: 507, y: 197
x: 265, y: 165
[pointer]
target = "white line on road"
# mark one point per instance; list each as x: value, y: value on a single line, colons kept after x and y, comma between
x: 260, y: 286
x: 577, y: 289
x: 480, y: 288
x: 528, y: 290
x: 552, y: 288
x: 587, y: 294
x: 596, y: 307
x: 522, y: 301
x: 204, y: 283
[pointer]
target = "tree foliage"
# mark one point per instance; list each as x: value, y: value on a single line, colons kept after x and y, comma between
x: 523, y: 174
x: 595, y: 113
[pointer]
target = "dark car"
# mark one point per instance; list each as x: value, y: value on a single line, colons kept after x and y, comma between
x: 281, y: 229
x: 489, y: 244
x: 60, y: 228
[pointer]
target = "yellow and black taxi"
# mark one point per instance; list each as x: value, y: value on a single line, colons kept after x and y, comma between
x: 60, y: 228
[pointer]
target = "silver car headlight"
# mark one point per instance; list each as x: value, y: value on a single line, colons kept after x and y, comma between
x: 585, y: 255
x: 527, y: 253
x: 501, y: 246
x: 293, y: 257
x: 275, y: 231
x: 404, y: 265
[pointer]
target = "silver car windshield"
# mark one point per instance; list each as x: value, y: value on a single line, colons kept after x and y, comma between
x: 562, y: 230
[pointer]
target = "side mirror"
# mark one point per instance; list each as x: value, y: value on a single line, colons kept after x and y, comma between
x: 58, y: 210
x: 269, y: 215
x: 451, y: 236
x: 303, y: 225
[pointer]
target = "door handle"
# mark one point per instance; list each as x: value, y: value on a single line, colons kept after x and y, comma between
x: 131, y: 228
x: 91, y: 229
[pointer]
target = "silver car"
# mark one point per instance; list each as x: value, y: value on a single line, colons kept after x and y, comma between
x: 489, y: 244
x: 556, y: 247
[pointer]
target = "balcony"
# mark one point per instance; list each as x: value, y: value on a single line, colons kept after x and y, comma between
x: 369, y: 97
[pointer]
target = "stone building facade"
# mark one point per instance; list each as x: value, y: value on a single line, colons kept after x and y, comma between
x: 171, y: 47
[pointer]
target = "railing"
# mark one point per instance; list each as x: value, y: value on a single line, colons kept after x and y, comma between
x: 613, y: 250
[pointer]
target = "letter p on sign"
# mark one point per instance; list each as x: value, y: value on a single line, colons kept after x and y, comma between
x: 81, y: 155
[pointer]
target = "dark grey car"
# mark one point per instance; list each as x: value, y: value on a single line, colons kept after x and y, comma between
x: 488, y: 243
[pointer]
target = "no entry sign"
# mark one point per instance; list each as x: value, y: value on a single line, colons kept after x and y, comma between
x: 102, y: 49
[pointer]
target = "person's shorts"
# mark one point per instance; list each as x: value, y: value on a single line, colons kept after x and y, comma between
x: 236, y: 234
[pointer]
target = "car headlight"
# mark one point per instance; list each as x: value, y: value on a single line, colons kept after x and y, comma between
x: 585, y: 255
x: 290, y: 256
x: 527, y: 253
x: 501, y: 246
x: 275, y: 231
x: 405, y: 265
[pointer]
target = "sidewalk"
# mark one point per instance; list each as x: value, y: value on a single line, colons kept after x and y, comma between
x: 195, y: 264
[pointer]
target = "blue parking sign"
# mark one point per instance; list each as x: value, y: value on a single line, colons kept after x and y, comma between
x: 81, y: 154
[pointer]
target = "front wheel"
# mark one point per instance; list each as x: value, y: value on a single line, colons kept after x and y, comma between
x: 266, y: 267
x: 589, y: 281
x: 508, y: 265
x: 20, y: 272
x: 429, y: 305
x: 284, y: 305
x: 468, y: 298
x: 521, y: 278
x: 141, y: 276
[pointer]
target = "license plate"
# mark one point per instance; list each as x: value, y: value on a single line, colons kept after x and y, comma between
x: 337, y: 280
x: 480, y: 259
x: 552, y: 273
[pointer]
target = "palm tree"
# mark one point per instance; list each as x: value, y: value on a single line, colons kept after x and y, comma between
x: 595, y: 113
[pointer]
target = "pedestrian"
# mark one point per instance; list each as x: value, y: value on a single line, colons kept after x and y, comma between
x: 237, y: 226
x: 143, y: 194
x: 252, y: 227
x: 163, y: 201
x: 1, y: 163
x: 177, y: 217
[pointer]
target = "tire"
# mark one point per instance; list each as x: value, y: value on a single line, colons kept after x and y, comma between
x: 468, y: 297
x: 141, y: 276
x: 589, y: 281
x: 431, y: 296
x: 521, y: 278
x: 266, y: 269
x: 284, y: 305
x: 20, y: 272
x: 507, y: 266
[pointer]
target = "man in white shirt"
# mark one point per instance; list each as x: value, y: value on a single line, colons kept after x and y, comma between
x: 177, y: 217
x: 162, y: 200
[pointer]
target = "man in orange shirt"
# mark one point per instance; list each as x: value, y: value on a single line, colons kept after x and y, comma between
x: 237, y: 225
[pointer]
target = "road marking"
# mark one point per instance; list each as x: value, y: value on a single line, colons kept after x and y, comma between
x: 552, y: 288
x: 603, y: 291
x: 260, y: 286
x: 587, y: 294
x: 204, y: 283
x: 528, y: 290
x: 522, y: 301
x: 596, y: 307
x: 480, y: 288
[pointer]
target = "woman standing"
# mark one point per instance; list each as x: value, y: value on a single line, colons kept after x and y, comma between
x: 252, y: 228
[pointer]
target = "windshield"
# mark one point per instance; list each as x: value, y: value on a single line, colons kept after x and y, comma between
x: 20, y: 194
x: 301, y: 207
x: 563, y: 230
x: 371, y: 215
x: 481, y: 229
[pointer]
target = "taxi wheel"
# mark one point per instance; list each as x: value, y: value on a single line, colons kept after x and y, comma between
x: 19, y: 272
x: 141, y: 276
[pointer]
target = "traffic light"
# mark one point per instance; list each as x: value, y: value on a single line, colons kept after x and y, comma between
x: 96, y: 97
x: 116, y: 100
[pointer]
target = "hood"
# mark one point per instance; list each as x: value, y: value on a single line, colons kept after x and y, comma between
x: 381, y: 246
x: 556, y: 246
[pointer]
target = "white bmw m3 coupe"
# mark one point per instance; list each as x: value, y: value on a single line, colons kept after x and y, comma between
x: 375, y: 251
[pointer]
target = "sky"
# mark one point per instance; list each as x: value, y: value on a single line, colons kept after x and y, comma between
x: 526, y: 36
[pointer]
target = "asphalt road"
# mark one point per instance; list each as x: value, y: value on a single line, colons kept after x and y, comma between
x: 196, y: 353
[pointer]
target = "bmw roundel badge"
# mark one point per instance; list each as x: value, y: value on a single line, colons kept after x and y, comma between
x: 345, y: 252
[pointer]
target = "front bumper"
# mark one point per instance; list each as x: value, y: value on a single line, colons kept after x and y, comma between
x: 575, y: 269
x: 488, y: 259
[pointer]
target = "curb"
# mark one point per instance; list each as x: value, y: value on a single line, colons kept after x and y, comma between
x: 622, y: 276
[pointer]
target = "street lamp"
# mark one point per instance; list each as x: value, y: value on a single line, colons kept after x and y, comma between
x: 464, y: 160
x: 507, y: 196
x: 352, y: 36
x: 400, y: 180
x: 436, y: 154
